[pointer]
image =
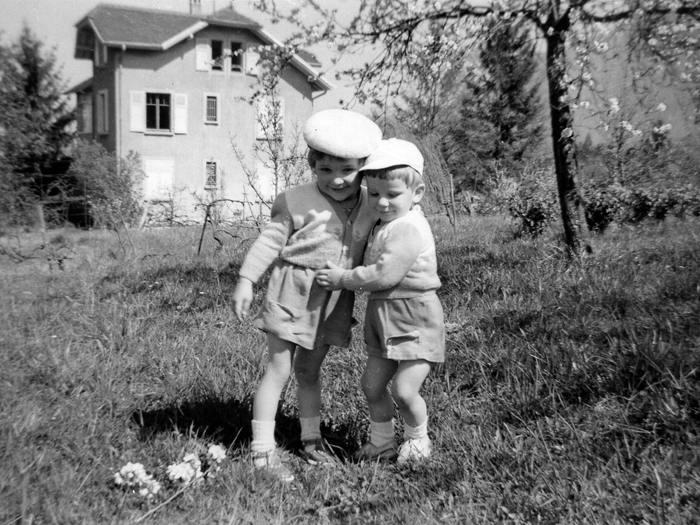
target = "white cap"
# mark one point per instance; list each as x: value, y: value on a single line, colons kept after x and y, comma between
x: 395, y: 152
x: 342, y: 133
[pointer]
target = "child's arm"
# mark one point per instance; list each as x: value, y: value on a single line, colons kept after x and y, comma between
x: 261, y: 255
x: 401, y: 249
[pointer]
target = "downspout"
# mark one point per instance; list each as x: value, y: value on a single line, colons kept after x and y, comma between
x: 118, y: 109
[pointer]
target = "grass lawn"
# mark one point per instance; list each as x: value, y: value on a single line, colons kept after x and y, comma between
x: 571, y: 392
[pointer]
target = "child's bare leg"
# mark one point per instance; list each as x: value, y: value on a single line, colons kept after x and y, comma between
x: 307, y: 370
x: 277, y: 371
x: 375, y: 380
x: 279, y: 366
x: 408, y: 381
x: 406, y: 392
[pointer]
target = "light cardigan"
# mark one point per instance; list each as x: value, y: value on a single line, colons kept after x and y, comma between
x: 307, y: 229
x: 400, y: 261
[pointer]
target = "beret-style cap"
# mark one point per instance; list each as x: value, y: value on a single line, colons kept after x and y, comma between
x: 342, y: 133
x: 395, y: 152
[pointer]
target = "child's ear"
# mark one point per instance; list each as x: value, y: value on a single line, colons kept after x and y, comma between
x: 418, y: 193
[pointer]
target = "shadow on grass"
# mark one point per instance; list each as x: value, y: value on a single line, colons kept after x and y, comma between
x: 229, y: 423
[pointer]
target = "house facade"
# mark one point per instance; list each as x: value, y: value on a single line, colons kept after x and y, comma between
x: 178, y: 89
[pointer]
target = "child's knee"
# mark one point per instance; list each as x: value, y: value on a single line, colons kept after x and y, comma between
x: 306, y: 374
x: 371, y: 390
x: 403, y: 394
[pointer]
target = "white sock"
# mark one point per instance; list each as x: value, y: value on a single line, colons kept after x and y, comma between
x: 419, y: 432
x: 310, y: 428
x: 263, y: 436
x: 381, y: 433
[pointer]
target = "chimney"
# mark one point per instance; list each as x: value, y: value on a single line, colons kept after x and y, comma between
x: 195, y: 7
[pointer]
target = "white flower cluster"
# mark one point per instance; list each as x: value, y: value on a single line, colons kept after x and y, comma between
x: 627, y: 126
x: 601, y: 47
x: 217, y: 453
x: 187, y: 471
x: 133, y: 476
x: 614, y: 106
x: 663, y: 129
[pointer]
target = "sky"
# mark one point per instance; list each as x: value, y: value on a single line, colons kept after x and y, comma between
x: 53, y: 22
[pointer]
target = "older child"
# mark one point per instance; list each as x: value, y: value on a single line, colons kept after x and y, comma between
x: 328, y: 219
x: 404, y: 326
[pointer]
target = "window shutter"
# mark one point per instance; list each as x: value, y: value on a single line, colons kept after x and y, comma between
x: 202, y: 55
x: 180, y: 111
x: 136, y: 104
x: 102, y: 112
x: 252, y: 59
x: 159, y: 176
x: 86, y: 113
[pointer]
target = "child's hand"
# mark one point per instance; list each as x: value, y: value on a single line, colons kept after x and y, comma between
x: 330, y: 277
x: 242, y: 297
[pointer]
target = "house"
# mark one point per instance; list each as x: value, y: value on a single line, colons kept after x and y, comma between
x: 176, y: 88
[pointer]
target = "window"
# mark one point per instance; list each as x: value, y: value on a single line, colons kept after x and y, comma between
x: 237, y: 53
x: 100, y: 55
x: 211, y: 109
x: 84, y: 113
x: 211, y: 175
x: 102, y: 112
x: 217, y: 55
x: 158, y: 111
x: 225, y: 55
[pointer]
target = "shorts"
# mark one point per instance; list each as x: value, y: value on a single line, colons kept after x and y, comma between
x: 406, y: 329
x: 297, y: 309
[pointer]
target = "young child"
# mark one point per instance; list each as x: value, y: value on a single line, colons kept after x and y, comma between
x: 404, y: 326
x: 310, y: 224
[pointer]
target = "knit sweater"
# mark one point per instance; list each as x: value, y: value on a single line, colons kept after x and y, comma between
x: 400, y: 260
x: 307, y: 229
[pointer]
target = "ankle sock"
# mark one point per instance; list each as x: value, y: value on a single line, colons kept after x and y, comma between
x: 418, y: 432
x: 381, y: 433
x: 310, y: 428
x: 263, y: 436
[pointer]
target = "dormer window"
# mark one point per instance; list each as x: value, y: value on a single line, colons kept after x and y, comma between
x: 237, y: 52
x: 217, y: 55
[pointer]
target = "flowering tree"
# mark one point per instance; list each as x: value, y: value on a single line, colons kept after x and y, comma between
x: 277, y: 152
x: 401, y: 27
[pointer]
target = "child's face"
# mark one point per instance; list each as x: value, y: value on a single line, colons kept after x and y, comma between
x: 338, y: 178
x: 392, y: 199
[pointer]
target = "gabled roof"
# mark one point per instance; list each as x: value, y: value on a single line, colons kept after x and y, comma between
x: 159, y: 30
x: 116, y: 25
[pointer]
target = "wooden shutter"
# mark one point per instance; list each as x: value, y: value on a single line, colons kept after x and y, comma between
x: 137, y: 118
x: 180, y: 113
x: 102, y: 107
x: 159, y: 176
x: 202, y: 55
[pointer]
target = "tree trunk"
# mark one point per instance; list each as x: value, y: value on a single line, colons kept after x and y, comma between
x: 562, y: 134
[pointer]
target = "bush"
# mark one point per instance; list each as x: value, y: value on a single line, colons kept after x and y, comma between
x: 534, y: 203
x: 110, y: 188
x: 614, y: 203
